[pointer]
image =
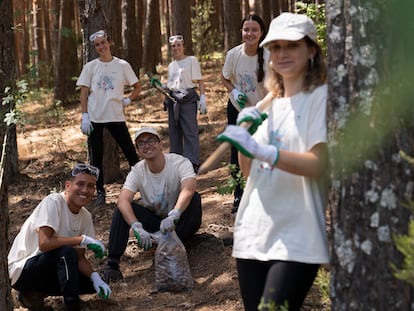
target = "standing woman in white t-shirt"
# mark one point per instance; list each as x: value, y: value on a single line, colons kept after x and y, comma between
x: 102, y: 100
x: 184, y: 74
x: 243, y: 76
x: 279, y: 231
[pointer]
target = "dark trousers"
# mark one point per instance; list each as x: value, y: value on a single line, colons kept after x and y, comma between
x: 280, y: 282
x: 55, y: 273
x: 119, y: 132
x: 232, y: 114
x: 187, y: 226
x: 183, y: 135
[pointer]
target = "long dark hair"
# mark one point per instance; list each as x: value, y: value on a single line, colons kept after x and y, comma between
x: 260, y: 59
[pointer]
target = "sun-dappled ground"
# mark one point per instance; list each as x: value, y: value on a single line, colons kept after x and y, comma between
x: 50, y: 142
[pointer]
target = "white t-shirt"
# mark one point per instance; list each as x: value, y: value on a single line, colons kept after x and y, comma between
x: 182, y: 73
x: 51, y: 212
x: 159, y: 192
x: 106, y: 82
x: 282, y: 216
x: 241, y: 70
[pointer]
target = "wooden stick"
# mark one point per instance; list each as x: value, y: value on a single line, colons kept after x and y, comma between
x: 218, y: 154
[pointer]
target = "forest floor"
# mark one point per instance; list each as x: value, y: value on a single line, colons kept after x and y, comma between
x: 50, y: 142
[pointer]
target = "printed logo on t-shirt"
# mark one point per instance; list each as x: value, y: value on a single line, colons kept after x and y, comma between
x: 106, y: 83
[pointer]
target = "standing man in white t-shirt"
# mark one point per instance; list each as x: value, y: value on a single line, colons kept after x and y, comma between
x: 102, y: 100
x: 47, y: 257
x: 169, y: 201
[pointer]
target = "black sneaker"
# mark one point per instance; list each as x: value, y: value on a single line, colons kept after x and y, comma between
x: 32, y: 300
x: 109, y: 274
x: 100, y: 198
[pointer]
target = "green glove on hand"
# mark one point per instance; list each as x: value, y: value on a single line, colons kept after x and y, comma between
x: 155, y: 82
x: 252, y: 115
x: 239, y: 97
x: 102, y: 289
x: 143, y: 237
x: 241, y: 139
x: 95, y: 245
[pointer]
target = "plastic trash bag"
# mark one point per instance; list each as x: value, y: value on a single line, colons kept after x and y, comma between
x: 172, y: 271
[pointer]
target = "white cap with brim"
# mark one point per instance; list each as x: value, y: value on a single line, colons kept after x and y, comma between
x: 149, y: 130
x: 290, y: 27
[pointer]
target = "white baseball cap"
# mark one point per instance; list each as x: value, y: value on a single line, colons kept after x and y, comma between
x: 149, y: 130
x: 290, y: 27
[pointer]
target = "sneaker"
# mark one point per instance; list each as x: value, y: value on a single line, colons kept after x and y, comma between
x: 108, y: 274
x: 100, y: 198
x: 32, y: 300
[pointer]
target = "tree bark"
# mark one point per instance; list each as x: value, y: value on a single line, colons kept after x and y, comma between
x: 232, y: 20
x: 370, y: 184
x: 181, y: 18
x: 152, y: 35
x: 8, y: 155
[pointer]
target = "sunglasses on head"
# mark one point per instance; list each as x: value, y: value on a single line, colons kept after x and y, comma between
x: 172, y: 39
x: 85, y: 168
x: 100, y: 33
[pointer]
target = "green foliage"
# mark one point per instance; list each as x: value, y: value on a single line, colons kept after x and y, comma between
x: 206, y: 40
x: 322, y: 282
x: 272, y: 306
x: 405, y: 244
x: 235, y: 178
x: 317, y: 13
x: 15, y: 97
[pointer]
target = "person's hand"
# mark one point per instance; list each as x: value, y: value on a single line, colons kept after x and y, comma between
x: 143, y: 237
x: 202, y: 106
x: 240, y: 138
x: 86, y: 125
x: 240, y: 97
x: 93, y: 244
x: 252, y: 115
x: 155, y: 82
x: 102, y: 289
x: 126, y: 101
x: 168, y: 223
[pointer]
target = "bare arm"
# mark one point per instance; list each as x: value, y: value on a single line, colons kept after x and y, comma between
x: 136, y: 91
x: 84, y: 93
x: 124, y: 205
x: 48, y: 241
x: 84, y: 265
x: 310, y: 164
x: 188, y: 187
x: 227, y: 83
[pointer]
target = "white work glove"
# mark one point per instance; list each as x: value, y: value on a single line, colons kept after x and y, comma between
x: 252, y: 115
x: 143, y: 237
x: 126, y: 101
x: 168, y: 223
x: 240, y: 138
x: 202, y: 106
x: 102, y: 289
x: 239, y: 97
x: 86, y: 125
x: 93, y: 244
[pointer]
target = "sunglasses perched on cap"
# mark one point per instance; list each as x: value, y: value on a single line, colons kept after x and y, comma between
x: 97, y: 34
x: 85, y: 168
x: 172, y: 39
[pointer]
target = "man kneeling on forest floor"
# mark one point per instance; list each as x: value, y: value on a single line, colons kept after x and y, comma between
x: 47, y: 257
x: 169, y: 201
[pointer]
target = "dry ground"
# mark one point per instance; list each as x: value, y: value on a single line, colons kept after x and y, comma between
x: 50, y: 142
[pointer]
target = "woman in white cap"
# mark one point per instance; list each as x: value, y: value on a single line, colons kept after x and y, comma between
x: 279, y: 232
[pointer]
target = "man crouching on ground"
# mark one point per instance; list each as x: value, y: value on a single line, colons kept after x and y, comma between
x: 47, y: 257
x: 169, y: 201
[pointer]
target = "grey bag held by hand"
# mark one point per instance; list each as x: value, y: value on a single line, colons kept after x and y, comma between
x: 172, y: 271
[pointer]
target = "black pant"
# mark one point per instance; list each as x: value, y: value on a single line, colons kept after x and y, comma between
x: 119, y: 132
x: 232, y: 114
x: 55, y: 273
x: 277, y: 282
x: 187, y: 226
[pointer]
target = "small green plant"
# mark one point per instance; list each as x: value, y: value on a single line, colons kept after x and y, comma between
x: 235, y: 178
x: 15, y: 97
x: 272, y: 306
x: 317, y: 13
x: 322, y: 282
